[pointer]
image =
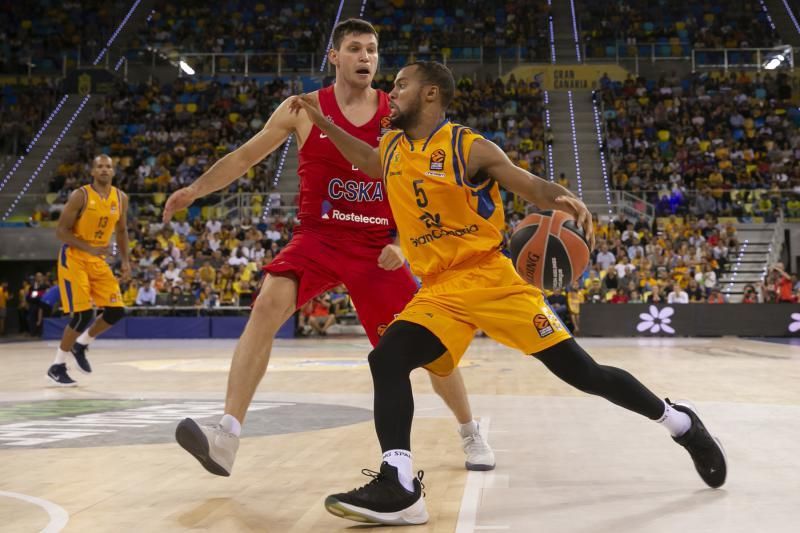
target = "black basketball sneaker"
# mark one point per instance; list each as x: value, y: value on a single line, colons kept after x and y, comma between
x: 384, y: 500
x: 58, y: 374
x: 79, y: 353
x: 705, y: 449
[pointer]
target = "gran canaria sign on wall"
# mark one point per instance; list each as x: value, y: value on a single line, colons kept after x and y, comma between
x: 570, y: 77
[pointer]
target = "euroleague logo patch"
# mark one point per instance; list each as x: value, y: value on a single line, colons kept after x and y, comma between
x: 542, y: 325
x: 382, y: 329
x: 437, y: 159
x: 386, y: 126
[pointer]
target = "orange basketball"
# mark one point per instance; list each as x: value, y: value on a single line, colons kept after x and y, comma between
x: 549, y: 250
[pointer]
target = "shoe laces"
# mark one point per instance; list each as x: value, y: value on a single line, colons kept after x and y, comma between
x: 220, y: 431
x: 474, y: 440
x: 377, y: 477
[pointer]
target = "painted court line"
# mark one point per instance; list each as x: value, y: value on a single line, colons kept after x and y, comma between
x: 58, y: 516
x: 468, y: 512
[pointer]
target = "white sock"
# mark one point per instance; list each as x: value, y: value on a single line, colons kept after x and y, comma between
x: 61, y: 356
x: 470, y: 428
x: 231, y: 425
x: 401, y: 460
x: 676, y: 422
x: 85, y: 338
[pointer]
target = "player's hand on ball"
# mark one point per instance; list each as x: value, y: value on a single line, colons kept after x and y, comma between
x: 180, y: 199
x: 391, y: 257
x: 310, y: 104
x: 583, y: 218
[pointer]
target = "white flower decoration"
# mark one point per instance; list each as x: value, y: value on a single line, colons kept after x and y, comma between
x: 795, y: 325
x: 656, y: 320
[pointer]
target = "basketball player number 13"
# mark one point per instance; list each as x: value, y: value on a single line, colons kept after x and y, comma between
x: 101, y: 224
x: 422, y: 198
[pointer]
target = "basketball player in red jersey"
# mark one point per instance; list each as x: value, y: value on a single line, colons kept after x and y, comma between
x: 345, y: 236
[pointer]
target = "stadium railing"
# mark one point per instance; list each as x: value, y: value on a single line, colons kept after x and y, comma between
x: 748, y: 204
x: 701, y: 58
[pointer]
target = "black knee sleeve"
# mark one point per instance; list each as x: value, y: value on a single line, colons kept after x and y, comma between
x: 568, y: 361
x: 112, y: 315
x: 404, y: 347
x: 81, y: 320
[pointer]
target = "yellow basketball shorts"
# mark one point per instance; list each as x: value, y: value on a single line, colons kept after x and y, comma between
x: 85, y: 279
x: 488, y: 295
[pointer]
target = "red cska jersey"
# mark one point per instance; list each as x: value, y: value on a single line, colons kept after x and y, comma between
x: 333, y: 193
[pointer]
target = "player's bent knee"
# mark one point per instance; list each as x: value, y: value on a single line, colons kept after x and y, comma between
x: 269, y: 305
x: 385, y: 361
x: 112, y: 315
x: 81, y: 320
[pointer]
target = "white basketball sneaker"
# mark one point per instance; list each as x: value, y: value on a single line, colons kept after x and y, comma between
x: 479, y: 454
x: 214, y: 447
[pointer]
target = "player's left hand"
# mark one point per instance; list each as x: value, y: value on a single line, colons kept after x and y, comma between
x: 391, y: 257
x: 311, y: 106
x: 125, y: 269
x: 583, y: 218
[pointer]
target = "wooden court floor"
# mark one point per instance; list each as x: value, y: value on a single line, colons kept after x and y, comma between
x: 101, y: 457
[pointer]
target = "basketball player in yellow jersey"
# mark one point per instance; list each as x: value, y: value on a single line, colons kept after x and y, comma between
x: 442, y: 184
x: 92, y: 215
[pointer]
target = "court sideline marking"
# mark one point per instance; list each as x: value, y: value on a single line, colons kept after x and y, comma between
x: 476, y: 482
x: 58, y: 516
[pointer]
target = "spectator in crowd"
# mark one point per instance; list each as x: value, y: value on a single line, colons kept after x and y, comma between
x: 320, y: 317
x: 750, y: 295
x: 595, y: 294
x: 558, y: 303
x: 695, y: 292
x: 783, y: 286
x: 655, y: 296
x: 575, y: 298
x: 605, y: 259
x: 48, y: 303
x: 146, y: 295
x: 130, y: 292
x: 38, y: 287
x: 677, y: 295
x: 23, y: 307
x: 716, y: 297
x: 4, y: 297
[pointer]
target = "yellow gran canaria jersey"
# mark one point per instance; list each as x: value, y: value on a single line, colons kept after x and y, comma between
x: 443, y: 219
x: 99, y: 217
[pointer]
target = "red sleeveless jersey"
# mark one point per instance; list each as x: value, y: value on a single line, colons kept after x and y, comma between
x: 334, y: 195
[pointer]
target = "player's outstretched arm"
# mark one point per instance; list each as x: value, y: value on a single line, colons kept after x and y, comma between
x: 362, y: 155
x: 228, y: 169
x: 488, y: 157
